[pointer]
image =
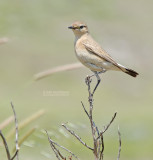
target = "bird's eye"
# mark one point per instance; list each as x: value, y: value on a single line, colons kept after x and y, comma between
x: 81, y: 27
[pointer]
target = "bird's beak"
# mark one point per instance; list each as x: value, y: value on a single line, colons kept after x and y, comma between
x: 71, y: 27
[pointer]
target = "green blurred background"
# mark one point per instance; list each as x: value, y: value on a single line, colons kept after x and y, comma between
x: 39, y: 40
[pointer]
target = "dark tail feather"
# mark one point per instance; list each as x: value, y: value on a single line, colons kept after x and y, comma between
x: 131, y: 72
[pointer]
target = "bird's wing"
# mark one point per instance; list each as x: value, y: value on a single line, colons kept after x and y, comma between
x: 95, y: 49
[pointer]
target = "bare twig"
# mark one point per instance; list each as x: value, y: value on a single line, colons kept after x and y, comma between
x: 107, y: 125
x: 16, y: 128
x: 119, y: 149
x: 53, y: 148
x: 15, y: 154
x: 102, y: 150
x: 98, y: 139
x: 98, y: 142
x: 6, y: 146
x: 93, y: 128
x: 77, y: 137
x: 59, y: 153
x: 89, y: 117
x: 16, y: 140
x: 57, y: 69
x: 85, y: 109
x: 98, y: 148
x: 63, y: 148
x: 56, y: 151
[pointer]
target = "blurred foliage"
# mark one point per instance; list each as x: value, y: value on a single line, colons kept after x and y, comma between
x: 39, y: 39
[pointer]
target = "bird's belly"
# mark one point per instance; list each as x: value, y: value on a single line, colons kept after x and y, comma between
x: 93, y: 62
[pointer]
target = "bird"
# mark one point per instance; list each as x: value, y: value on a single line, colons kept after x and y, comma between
x: 92, y: 55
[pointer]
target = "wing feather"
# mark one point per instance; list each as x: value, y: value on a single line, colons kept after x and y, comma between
x: 94, y: 48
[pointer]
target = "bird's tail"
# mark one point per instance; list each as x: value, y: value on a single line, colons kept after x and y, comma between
x: 128, y: 71
x: 131, y: 72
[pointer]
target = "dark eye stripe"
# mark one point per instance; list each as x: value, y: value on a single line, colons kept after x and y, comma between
x: 81, y: 27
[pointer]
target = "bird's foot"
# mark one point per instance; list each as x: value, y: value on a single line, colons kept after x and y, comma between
x: 88, y: 80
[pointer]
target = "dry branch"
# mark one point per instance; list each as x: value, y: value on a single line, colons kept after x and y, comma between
x: 102, y: 150
x: 54, y: 143
x: 54, y: 149
x: 93, y: 128
x: 17, y: 134
x: 120, y: 143
x: 76, y: 136
x: 97, y: 136
x: 16, y: 139
x: 98, y: 141
x: 85, y: 109
x: 51, y: 71
x: 5, y: 145
x: 106, y: 128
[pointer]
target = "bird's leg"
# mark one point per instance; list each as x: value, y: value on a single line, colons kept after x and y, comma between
x: 98, y: 79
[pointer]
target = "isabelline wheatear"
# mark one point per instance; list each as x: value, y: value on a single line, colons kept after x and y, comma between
x: 90, y: 53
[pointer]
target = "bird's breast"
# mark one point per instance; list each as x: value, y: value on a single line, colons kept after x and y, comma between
x: 84, y: 55
x: 88, y: 59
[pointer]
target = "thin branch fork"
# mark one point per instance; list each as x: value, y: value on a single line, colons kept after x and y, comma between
x: 89, y: 118
x: 93, y: 128
x: 15, y: 154
x: 56, y: 151
x: 99, y: 141
x: 106, y: 128
x: 65, y: 149
x: 54, y: 143
x: 16, y: 141
x: 59, y: 153
x: 77, y: 137
x: 5, y: 145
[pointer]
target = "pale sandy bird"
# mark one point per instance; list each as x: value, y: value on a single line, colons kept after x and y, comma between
x: 90, y: 53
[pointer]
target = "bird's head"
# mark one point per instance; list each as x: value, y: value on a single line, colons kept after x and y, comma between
x: 79, y: 28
